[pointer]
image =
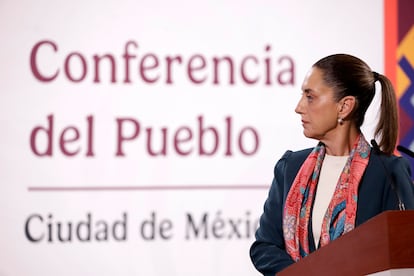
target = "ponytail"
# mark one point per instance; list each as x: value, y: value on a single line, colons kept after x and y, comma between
x: 387, y: 127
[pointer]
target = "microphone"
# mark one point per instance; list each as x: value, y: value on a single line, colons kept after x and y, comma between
x: 377, y: 149
x: 405, y: 150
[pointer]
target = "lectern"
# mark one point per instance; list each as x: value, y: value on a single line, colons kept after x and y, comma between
x: 383, y: 243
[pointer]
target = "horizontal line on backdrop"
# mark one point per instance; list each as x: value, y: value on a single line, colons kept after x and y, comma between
x: 144, y: 188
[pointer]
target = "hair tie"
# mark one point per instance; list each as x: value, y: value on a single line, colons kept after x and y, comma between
x: 376, y: 76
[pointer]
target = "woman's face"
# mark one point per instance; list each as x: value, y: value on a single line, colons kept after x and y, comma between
x: 317, y: 107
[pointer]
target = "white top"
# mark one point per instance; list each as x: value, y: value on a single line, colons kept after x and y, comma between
x: 331, y: 169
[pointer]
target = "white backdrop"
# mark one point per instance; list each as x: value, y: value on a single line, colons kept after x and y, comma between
x: 81, y: 193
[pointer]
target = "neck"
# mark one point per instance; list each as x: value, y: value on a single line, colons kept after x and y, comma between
x: 342, y: 142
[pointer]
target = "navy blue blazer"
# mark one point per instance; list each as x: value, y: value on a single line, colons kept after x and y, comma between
x: 375, y: 195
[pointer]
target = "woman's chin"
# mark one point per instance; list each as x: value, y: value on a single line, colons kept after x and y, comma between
x: 310, y: 135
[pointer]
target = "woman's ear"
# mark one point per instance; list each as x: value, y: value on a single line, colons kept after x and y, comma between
x: 346, y: 106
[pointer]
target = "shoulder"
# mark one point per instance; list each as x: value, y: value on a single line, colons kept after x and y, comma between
x: 392, y: 163
x: 291, y: 161
x: 390, y: 177
x: 295, y: 156
x: 383, y: 169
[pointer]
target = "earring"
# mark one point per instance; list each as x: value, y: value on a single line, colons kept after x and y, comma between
x: 340, y: 121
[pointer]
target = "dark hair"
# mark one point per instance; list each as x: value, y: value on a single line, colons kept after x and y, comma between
x: 350, y: 76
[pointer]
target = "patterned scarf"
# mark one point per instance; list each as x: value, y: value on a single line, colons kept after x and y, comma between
x: 340, y: 215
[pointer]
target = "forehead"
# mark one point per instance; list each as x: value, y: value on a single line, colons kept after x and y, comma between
x: 314, y: 81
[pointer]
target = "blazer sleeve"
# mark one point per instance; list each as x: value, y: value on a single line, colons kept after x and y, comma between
x: 268, y: 251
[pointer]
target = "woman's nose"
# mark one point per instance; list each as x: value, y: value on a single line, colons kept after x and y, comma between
x: 299, y: 107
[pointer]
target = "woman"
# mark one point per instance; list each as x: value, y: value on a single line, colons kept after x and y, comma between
x: 322, y: 193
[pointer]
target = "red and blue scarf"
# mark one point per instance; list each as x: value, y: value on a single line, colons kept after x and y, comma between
x: 340, y: 215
